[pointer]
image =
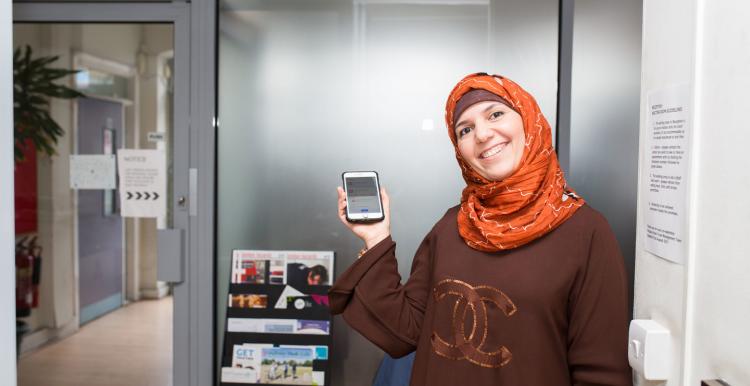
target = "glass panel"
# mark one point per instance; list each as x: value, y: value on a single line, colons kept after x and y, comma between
x: 93, y: 82
x: 79, y: 259
x: 309, y: 89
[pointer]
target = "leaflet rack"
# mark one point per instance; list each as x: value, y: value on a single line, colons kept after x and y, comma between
x: 266, y: 345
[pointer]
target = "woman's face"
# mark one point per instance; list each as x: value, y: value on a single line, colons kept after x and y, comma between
x: 491, y: 139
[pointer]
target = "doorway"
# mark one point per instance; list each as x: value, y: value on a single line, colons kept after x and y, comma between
x: 188, y: 225
x: 94, y: 281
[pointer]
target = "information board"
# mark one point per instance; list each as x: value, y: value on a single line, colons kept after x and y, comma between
x: 668, y: 166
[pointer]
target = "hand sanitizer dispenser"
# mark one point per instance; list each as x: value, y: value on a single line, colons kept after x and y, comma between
x: 649, y: 349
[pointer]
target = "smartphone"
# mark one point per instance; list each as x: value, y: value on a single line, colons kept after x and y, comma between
x: 363, y: 203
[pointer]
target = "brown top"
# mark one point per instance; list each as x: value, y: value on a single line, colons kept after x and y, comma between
x: 552, y: 312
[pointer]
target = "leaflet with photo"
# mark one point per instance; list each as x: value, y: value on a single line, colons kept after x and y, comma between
x: 249, y: 267
x: 308, y: 268
x: 248, y: 301
x: 246, y: 362
x: 288, y: 365
x: 291, y: 365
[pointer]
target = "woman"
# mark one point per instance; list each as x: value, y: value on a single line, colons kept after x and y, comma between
x: 520, y: 284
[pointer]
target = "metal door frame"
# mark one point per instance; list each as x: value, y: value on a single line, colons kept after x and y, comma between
x: 194, y: 151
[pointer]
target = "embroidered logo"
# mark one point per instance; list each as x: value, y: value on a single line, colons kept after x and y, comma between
x: 473, y: 299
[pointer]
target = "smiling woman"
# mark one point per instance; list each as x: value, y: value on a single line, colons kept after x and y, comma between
x: 490, y: 134
x: 522, y: 283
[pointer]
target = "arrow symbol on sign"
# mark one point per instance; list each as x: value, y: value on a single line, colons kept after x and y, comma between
x: 130, y: 195
x: 138, y: 195
x: 146, y: 195
x: 155, y: 195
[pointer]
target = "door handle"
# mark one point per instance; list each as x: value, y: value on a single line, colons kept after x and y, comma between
x: 714, y: 382
x: 170, y: 242
x: 169, y: 255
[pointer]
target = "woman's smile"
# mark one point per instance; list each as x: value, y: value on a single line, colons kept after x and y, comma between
x: 493, y: 151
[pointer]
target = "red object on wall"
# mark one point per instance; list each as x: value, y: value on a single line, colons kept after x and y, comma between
x: 24, y: 282
x: 26, y: 197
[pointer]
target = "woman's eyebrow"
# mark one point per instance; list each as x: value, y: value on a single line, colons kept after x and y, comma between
x: 488, y: 108
x: 492, y: 106
x: 461, y: 123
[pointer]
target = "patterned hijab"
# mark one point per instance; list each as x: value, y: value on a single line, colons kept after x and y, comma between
x: 534, y: 200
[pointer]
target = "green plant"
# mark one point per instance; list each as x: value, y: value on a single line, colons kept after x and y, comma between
x: 33, y: 86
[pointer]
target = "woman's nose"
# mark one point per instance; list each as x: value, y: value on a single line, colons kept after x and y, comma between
x: 482, y: 132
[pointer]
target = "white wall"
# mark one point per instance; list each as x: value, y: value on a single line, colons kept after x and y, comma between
x: 704, y: 303
x: 7, y: 232
x: 721, y: 290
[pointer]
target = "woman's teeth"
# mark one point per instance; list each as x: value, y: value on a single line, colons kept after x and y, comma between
x: 494, y: 150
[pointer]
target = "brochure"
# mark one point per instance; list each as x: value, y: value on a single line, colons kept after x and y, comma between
x: 285, y: 364
x: 308, y: 268
x: 312, y: 327
x: 247, y: 358
x: 308, y: 302
x: 279, y: 326
x: 285, y: 294
x: 247, y: 271
x: 248, y: 301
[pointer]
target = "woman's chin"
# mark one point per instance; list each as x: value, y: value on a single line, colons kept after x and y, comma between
x: 495, y: 173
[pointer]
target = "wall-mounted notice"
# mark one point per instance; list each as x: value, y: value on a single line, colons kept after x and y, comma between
x: 95, y: 171
x: 143, y: 182
x: 668, y: 166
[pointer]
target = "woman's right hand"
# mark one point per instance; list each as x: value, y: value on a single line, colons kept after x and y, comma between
x: 370, y: 233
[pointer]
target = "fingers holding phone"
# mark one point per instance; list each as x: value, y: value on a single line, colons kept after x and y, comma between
x: 363, y: 206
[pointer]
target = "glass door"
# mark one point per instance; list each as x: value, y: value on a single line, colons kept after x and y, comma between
x: 87, y: 218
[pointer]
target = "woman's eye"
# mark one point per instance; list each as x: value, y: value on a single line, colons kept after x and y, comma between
x: 464, y: 131
x: 496, y: 114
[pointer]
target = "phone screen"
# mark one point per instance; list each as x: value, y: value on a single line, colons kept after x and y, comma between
x: 362, y: 195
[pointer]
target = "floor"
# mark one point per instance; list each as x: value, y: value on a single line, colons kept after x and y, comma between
x: 130, y: 347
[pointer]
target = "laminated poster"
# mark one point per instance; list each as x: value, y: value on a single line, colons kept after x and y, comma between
x: 667, y: 172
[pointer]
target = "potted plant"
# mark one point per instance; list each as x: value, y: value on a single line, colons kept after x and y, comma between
x: 33, y: 86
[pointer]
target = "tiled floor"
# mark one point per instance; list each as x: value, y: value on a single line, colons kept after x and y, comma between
x: 130, y: 347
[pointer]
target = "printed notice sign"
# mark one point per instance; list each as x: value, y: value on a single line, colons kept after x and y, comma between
x: 92, y: 171
x: 143, y: 182
x: 668, y: 151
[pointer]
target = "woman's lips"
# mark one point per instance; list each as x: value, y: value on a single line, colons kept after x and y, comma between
x: 493, y: 151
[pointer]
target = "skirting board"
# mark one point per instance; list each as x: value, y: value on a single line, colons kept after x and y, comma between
x: 161, y: 290
x: 35, y: 340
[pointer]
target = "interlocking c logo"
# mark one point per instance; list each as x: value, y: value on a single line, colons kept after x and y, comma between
x: 470, y: 348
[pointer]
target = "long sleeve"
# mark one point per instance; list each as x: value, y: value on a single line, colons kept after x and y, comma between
x: 375, y: 303
x: 598, y: 315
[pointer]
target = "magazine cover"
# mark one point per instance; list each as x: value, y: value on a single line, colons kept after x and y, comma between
x: 308, y: 268
x: 248, y: 301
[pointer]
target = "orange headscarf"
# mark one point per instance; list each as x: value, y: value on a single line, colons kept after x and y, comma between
x: 526, y: 205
